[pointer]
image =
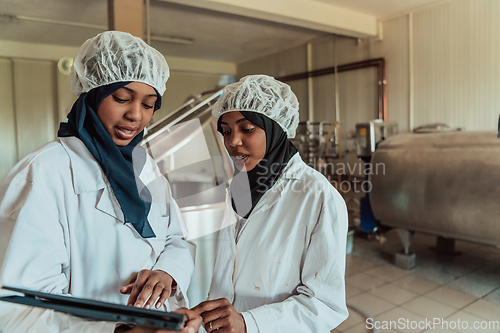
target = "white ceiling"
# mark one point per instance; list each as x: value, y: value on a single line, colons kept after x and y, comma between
x: 217, y: 36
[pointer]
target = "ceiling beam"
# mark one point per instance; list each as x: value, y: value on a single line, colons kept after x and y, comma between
x: 308, y: 14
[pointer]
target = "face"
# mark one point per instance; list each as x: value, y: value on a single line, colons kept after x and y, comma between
x: 126, y: 112
x: 244, y: 141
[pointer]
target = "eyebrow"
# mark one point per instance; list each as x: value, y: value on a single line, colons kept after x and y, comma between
x: 237, y: 121
x: 135, y: 92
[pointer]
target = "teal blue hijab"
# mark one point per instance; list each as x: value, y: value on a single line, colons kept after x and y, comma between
x: 115, y: 161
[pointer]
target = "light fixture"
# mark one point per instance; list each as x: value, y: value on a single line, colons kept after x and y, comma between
x: 64, y: 65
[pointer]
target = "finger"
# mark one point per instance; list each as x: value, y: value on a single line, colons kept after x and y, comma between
x: 127, y: 289
x: 209, y: 305
x: 138, y: 286
x: 194, y: 320
x: 163, y: 297
x: 214, y: 315
x: 157, y: 290
x: 217, y: 324
x: 146, y: 292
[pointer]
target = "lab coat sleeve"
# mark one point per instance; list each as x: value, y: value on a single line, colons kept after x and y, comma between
x: 250, y: 324
x: 177, y: 258
x: 37, y: 256
x: 320, y: 303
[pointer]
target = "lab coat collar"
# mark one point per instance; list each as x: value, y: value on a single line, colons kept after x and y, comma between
x: 88, y: 176
x: 293, y: 170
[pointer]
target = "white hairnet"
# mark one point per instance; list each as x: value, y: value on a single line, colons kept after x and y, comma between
x: 115, y: 56
x: 263, y: 94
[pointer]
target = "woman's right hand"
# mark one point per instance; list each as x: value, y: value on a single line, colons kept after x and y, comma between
x: 193, y: 324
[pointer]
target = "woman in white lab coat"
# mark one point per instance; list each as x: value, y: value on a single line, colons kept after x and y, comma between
x: 280, y: 264
x: 93, y: 216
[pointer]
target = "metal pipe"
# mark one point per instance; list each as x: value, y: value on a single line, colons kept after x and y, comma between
x: 310, y: 90
x: 336, y: 79
x: 411, y: 107
x: 148, y: 23
x: 378, y: 62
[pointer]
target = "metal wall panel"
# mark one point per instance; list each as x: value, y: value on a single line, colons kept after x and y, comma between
x: 284, y: 63
x: 8, y: 148
x: 35, y: 101
x: 457, y: 67
x: 394, y: 48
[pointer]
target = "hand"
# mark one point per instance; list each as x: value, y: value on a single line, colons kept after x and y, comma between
x: 220, y: 315
x: 193, y: 324
x: 149, y: 287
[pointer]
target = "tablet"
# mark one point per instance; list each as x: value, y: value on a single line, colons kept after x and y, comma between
x: 96, y: 310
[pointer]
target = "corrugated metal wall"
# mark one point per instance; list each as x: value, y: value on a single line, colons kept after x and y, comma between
x: 457, y: 65
x: 456, y: 69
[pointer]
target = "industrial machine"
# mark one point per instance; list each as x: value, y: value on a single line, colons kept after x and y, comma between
x: 443, y: 183
x: 317, y: 141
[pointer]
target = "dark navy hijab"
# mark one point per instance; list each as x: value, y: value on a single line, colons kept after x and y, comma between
x: 279, y: 150
x: 115, y: 161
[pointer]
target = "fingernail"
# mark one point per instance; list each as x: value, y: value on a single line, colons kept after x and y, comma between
x: 147, y: 306
x: 191, y: 329
x: 137, y: 305
x: 158, y: 305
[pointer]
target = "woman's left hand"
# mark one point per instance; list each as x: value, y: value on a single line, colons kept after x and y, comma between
x: 219, y: 315
x: 148, y: 288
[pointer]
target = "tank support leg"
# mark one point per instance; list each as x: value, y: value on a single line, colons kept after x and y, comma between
x: 406, y: 237
x: 405, y: 259
x: 446, y: 246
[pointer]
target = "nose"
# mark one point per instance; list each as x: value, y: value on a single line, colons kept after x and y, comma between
x: 134, y: 111
x: 234, y: 140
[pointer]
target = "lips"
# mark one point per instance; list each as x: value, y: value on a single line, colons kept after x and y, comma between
x: 239, y: 158
x: 126, y: 132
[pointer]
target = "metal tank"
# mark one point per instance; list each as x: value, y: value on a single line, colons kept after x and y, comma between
x: 444, y: 184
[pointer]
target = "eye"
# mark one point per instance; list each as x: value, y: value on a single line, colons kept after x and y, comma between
x: 119, y: 100
x: 248, y: 130
x: 224, y: 133
x: 147, y: 107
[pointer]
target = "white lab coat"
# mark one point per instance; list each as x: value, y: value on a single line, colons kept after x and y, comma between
x: 286, y: 272
x: 70, y: 238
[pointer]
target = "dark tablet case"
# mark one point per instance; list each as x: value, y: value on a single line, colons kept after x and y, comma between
x: 97, y: 310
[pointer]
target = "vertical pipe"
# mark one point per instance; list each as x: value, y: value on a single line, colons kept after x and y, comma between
x: 148, y: 24
x: 336, y: 75
x: 411, y: 111
x: 380, y: 91
x: 384, y: 88
x: 310, y: 83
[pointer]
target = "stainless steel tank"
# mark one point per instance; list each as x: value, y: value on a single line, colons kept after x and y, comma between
x: 445, y: 184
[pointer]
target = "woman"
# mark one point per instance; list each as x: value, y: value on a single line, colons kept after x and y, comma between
x: 280, y: 266
x: 81, y: 226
